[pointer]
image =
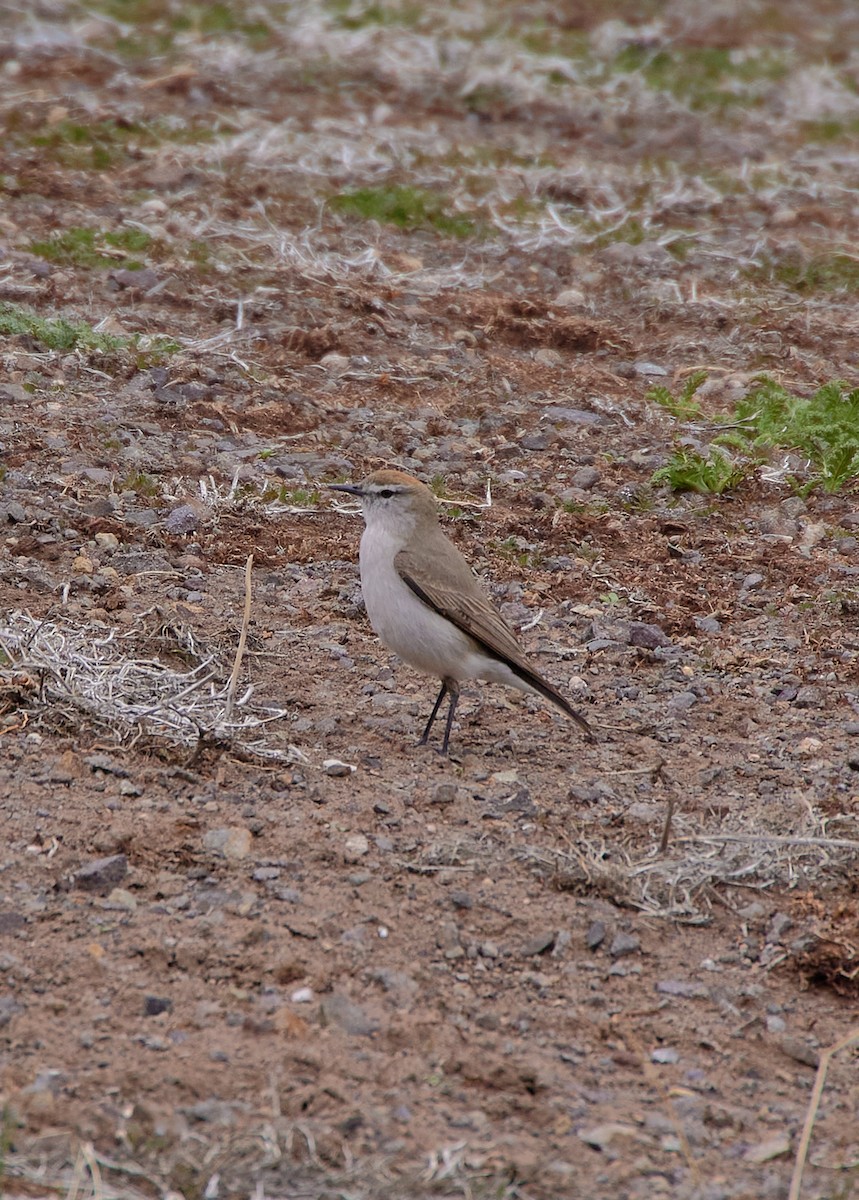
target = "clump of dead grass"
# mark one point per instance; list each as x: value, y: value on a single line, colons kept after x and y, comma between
x: 122, y: 682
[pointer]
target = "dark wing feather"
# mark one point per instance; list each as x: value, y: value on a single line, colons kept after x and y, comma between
x: 460, y: 600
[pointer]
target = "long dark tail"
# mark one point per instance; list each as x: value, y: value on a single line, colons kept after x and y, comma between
x: 541, y: 685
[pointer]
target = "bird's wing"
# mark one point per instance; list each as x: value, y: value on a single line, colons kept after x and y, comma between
x: 454, y: 593
x: 463, y: 604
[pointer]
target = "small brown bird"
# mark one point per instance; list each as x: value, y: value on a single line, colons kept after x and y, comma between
x: 425, y: 603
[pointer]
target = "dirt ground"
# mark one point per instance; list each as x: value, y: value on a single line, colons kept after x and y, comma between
x: 259, y: 944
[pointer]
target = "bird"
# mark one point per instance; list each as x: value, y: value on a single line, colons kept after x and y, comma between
x: 426, y: 604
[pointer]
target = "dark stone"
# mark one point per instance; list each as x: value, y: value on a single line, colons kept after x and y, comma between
x: 102, y: 875
x: 153, y: 1005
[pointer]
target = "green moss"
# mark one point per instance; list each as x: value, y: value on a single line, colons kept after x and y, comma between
x: 141, y: 483
x: 154, y: 24
x: 829, y: 129
x: 81, y: 247
x: 830, y: 272
x: 705, y: 77
x: 406, y: 207
x: 353, y: 14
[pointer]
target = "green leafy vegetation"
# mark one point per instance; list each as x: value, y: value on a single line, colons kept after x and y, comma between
x: 81, y: 247
x: 830, y: 272
x: 104, y: 144
x: 153, y: 25
x: 355, y: 14
x: 406, y: 207
x: 64, y: 335
x: 294, y: 497
x: 823, y: 427
x: 55, y: 333
x: 141, y: 483
x: 688, y: 471
x: 684, y: 406
x: 705, y: 77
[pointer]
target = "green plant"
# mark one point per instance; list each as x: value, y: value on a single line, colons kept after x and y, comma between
x: 685, y: 407
x: 823, y: 427
x: 406, y: 207
x: 835, y: 271
x: 688, y: 471
x: 55, y: 333
x: 63, y: 335
x: 81, y: 247
x: 705, y: 77
x: 141, y: 483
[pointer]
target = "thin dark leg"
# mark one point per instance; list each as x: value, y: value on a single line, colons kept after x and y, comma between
x: 453, y: 690
x: 434, y: 713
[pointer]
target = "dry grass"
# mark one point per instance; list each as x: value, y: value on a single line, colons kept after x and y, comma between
x: 94, y: 675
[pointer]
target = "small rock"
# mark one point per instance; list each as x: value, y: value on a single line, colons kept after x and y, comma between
x: 122, y: 899
x: 83, y: 565
x: 539, y: 943
x: 648, y: 637
x: 107, y: 542
x: 708, y: 624
x: 102, y: 874
x: 141, y: 518
x: 547, y: 357
x: 779, y: 925
x: 339, y: 1010
x: 808, y: 697
x: 601, y: 1136
x: 13, y: 511
x: 444, y: 794
x: 302, y: 995
x: 11, y: 922
x: 799, y: 1051
x: 681, y: 987
x: 570, y: 298
x: 153, y: 1005
x: 335, y: 364
x: 183, y: 519
x: 648, y: 368
x: 337, y: 769
x: 573, y: 416
x: 624, y: 943
x: 586, y: 478
x: 9, y: 1007
x: 849, y: 520
x: 536, y: 441
x: 665, y: 1054
x: 751, y: 582
x: 357, y: 845
x: 595, y: 935
x: 682, y: 702
x: 766, y: 1151
x: 234, y: 842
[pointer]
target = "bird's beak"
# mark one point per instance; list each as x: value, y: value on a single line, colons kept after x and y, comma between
x: 352, y: 488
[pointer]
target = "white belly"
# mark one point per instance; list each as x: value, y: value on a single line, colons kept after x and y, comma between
x: 408, y: 626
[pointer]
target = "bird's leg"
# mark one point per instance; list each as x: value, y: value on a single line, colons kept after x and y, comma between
x: 453, y: 690
x: 434, y: 713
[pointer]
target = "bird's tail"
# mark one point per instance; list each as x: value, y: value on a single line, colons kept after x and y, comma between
x: 541, y: 685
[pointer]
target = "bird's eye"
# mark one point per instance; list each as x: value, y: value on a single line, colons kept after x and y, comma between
x: 386, y: 493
